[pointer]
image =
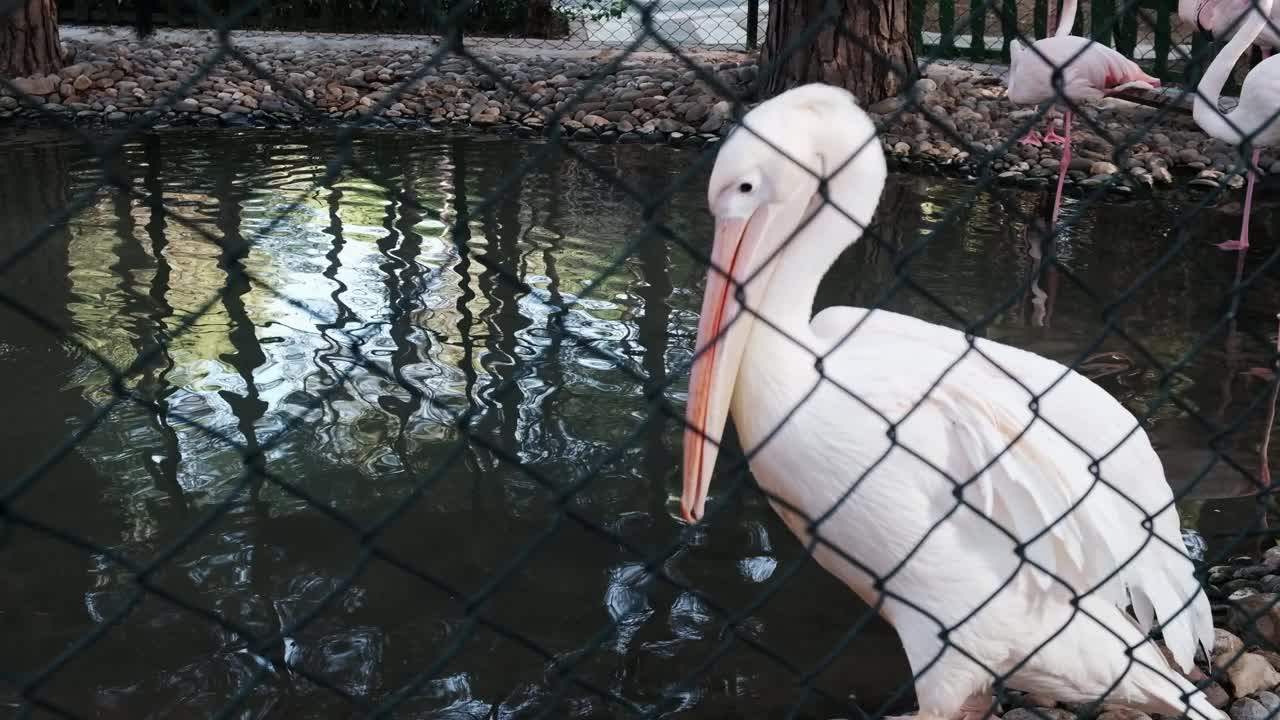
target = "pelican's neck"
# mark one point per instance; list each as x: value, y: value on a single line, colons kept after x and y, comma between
x: 1068, y: 19
x: 1205, y: 108
x: 787, y: 303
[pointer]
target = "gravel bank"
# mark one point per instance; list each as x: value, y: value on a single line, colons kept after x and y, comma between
x: 112, y: 80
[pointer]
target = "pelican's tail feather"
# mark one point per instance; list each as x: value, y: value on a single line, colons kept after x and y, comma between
x: 1154, y: 685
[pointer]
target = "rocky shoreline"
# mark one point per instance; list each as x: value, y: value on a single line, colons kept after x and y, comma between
x: 637, y: 99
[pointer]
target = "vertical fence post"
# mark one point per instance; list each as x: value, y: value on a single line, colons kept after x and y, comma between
x: 947, y: 26
x: 978, y: 30
x: 1164, y: 28
x: 1008, y: 26
x: 1127, y: 28
x: 753, y: 23
x: 1102, y: 19
x: 917, y: 24
x: 1195, y: 66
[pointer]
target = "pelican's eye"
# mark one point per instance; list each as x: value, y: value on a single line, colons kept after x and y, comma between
x: 745, y: 187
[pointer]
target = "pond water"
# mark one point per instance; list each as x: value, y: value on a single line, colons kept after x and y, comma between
x: 283, y: 517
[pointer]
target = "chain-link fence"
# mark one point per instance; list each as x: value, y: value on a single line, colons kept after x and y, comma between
x: 309, y: 418
x: 1154, y: 34
x: 562, y: 24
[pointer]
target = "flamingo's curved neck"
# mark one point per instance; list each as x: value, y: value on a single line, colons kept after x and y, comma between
x: 1068, y: 19
x: 1205, y: 108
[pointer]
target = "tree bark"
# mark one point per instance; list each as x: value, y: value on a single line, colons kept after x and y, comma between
x: 863, y: 46
x: 29, y: 40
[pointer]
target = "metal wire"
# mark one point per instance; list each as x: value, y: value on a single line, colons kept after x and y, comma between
x: 273, y: 668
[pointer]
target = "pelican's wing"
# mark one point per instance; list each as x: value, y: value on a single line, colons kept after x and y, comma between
x: 1071, y: 474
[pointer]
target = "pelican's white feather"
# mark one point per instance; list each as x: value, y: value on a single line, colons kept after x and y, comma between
x: 866, y: 440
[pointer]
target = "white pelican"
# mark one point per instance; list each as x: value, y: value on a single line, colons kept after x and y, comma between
x: 1254, y: 118
x: 819, y: 441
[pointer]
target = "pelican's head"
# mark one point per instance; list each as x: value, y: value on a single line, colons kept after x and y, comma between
x: 767, y: 179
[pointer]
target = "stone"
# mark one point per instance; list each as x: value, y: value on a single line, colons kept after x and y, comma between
x: 1225, y: 644
x: 187, y: 105
x: 1123, y: 714
x: 1255, y: 615
x: 1247, y: 709
x: 1103, y: 168
x: 1039, y: 701
x: 82, y: 83
x: 1083, y: 165
x: 696, y: 113
x: 1188, y: 155
x: 1269, y: 700
x: 886, y: 106
x: 924, y: 86
x: 1216, y: 695
x: 1271, y: 657
x: 37, y: 85
x: 1038, y: 713
x: 1251, y: 673
x: 713, y: 123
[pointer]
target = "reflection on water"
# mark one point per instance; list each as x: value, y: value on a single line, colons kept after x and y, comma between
x: 372, y: 424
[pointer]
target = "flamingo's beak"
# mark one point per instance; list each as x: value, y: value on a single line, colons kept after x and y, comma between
x: 722, y: 335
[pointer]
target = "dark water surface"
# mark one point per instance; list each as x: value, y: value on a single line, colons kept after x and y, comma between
x: 353, y: 333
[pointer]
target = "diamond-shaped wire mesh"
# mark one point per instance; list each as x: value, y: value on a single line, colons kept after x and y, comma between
x: 266, y: 456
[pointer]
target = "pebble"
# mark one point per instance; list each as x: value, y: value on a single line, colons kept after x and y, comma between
x: 1251, y: 673
x: 1247, y: 709
x: 1038, y: 713
x: 1124, y: 714
x: 1269, y: 700
x: 958, y: 116
x: 1225, y: 645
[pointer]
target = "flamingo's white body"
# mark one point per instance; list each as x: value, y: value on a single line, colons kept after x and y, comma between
x: 1222, y: 19
x: 819, y: 443
x: 1254, y: 118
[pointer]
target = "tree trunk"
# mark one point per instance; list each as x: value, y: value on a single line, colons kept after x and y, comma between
x: 863, y: 46
x: 29, y: 40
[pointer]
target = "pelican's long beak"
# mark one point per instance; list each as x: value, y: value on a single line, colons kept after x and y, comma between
x: 723, y: 329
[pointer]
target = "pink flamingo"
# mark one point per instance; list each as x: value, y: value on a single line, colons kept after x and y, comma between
x: 1090, y: 72
x: 1223, y: 18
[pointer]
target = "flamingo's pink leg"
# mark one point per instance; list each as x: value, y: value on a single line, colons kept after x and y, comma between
x: 1052, y: 137
x: 1062, y: 167
x: 1242, y: 243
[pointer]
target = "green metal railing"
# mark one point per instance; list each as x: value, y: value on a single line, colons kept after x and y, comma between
x: 981, y: 30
